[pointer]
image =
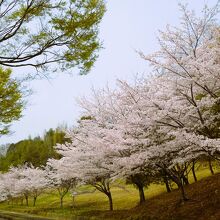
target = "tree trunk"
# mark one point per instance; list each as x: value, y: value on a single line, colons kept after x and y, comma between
x: 210, y: 166
x: 61, y: 202
x: 73, y: 201
x: 141, y: 194
x: 165, y: 179
x: 35, y: 198
x: 194, y: 172
x: 26, y: 199
x: 183, y: 194
x: 110, y: 201
x: 185, y: 180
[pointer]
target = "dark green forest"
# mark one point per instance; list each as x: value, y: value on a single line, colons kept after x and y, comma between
x: 35, y: 151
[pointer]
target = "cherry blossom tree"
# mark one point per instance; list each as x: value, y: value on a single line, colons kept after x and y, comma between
x: 29, y: 181
x: 23, y: 181
x: 61, y: 177
x: 189, y: 60
x: 8, y: 187
x: 113, y: 111
x: 86, y: 155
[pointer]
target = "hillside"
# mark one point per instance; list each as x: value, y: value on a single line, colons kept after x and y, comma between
x: 203, y: 204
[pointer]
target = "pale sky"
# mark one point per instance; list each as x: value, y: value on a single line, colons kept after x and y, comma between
x: 128, y: 25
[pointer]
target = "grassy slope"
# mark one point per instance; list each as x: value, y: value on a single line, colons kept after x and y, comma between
x: 203, y: 204
x: 88, y: 204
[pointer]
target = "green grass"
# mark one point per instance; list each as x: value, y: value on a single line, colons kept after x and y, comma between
x: 125, y: 197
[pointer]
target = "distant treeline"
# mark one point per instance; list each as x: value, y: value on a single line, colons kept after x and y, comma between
x: 33, y: 150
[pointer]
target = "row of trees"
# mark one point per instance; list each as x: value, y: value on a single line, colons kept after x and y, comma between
x: 155, y: 129
x: 25, y: 181
x: 22, y: 182
x: 35, y: 151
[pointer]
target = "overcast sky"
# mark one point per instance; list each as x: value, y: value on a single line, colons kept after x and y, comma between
x: 128, y: 25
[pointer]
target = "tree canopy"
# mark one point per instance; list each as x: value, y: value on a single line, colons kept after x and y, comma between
x: 11, y: 104
x: 60, y: 32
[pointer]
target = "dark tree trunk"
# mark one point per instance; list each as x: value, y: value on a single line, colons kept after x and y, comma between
x: 35, y: 199
x: 185, y: 180
x: 141, y: 193
x: 61, y: 202
x: 165, y: 179
x: 110, y: 201
x: 183, y: 193
x: 73, y: 201
x: 210, y: 166
x: 194, y: 172
x: 26, y: 199
x: 104, y: 187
